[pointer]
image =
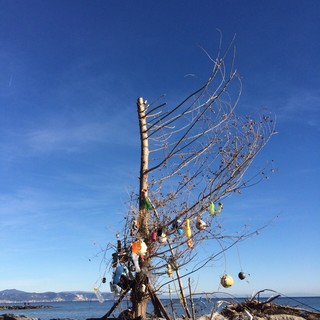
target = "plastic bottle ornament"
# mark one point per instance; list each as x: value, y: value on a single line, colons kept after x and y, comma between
x: 169, y: 270
x: 153, y: 236
x: 188, y: 229
x: 117, y: 274
x: 226, y: 281
x: 242, y: 275
x: 98, y: 295
x: 200, y: 225
x: 190, y: 243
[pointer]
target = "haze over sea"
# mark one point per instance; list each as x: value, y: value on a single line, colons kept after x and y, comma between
x: 82, y: 310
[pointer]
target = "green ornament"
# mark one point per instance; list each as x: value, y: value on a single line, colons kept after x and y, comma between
x: 147, y: 204
x: 211, y: 208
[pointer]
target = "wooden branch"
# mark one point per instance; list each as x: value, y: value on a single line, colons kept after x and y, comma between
x: 123, y: 294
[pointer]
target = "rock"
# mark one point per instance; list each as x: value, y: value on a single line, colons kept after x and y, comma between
x: 9, y: 316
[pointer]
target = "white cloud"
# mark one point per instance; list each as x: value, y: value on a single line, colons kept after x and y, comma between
x: 302, y: 106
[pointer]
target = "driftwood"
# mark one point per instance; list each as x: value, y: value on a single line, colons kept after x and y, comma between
x: 267, y: 310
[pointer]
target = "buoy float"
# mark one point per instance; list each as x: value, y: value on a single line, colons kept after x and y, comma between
x: 226, y: 281
x: 242, y: 275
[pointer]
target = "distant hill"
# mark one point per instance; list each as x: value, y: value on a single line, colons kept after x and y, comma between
x: 13, y: 295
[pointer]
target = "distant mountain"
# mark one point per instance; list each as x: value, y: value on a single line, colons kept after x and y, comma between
x: 13, y: 295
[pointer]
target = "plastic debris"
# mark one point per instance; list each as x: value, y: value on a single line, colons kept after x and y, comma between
x: 117, y: 274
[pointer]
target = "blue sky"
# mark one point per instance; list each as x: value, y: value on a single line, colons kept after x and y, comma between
x: 70, y: 73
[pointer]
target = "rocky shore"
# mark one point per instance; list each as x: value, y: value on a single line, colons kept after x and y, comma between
x: 24, y: 307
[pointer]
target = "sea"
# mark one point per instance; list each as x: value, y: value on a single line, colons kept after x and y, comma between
x: 82, y: 310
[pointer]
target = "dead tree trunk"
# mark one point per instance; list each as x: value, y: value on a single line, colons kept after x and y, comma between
x: 139, y: 293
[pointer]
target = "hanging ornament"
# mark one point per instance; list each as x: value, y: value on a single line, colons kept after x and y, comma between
x: 175, y: 224
x: 211, y: 208
x: 147, y: 203
x: 190, y: 243
x: 119, y: 246
x: 153, y: 236
x: 134, y: 227
x: 169, y: 271
x: 98, y: 295
x: 139, y: 247
x: 143, y: 248
x: 136, y: 246
x: 242, y: 275
x: 118, y: 273
x: 220, y: 206
x: 114, y: 260
x: 162, y: 238
x: 180, y: 231
x: 201, y: 225
x: 135, y: 259
x: 226, y: 281
x: 114, y: 288
x: 188, y: 229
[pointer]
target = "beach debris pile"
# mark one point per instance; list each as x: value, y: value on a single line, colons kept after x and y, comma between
x: 254, y: 309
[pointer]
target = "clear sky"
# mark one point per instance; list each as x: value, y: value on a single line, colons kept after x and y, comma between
x: 70, y: 74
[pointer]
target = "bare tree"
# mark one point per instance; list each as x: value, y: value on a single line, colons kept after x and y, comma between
x: 193, y: 155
